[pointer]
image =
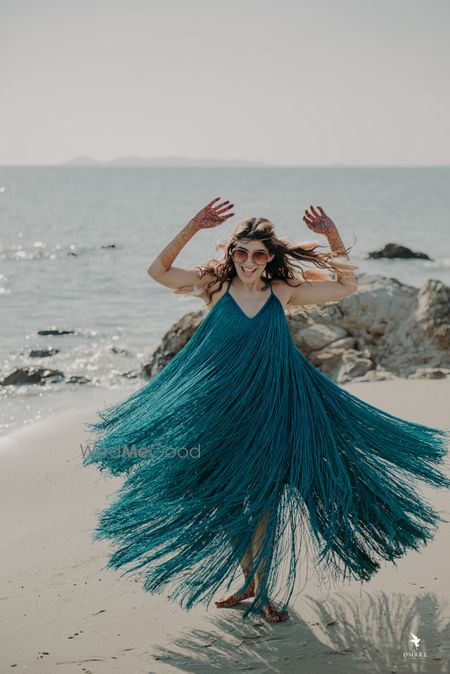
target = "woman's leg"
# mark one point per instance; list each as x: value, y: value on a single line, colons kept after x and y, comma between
x: 241, y: 594
x: 268, y: 608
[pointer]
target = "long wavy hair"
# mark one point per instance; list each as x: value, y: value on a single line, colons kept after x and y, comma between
x: 286, y: 263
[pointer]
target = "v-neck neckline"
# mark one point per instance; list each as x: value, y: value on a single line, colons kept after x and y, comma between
x: 250, y: 318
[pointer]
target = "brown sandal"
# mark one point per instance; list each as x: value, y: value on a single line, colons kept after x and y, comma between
x: 272, y: 614
x: 239, y: 595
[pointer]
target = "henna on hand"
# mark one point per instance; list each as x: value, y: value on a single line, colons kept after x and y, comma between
x: 321, y: 223
x: 206, y: 217
x: 211, y: 216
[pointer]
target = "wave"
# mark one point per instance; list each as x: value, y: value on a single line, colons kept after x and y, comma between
x: 443, y: 263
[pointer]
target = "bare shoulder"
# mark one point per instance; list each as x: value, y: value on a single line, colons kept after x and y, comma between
x: 284, y: 289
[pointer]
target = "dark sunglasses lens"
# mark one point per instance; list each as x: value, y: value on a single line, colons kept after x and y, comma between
x: 260, y: 258
x: 238, y: 255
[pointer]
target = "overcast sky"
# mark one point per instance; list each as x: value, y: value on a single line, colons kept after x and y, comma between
x: 285, y: 82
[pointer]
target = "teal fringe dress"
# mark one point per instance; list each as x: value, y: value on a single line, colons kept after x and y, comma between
x: 238, y: 425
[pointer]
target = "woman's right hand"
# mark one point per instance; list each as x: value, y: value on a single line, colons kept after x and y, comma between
x: 212, y: 216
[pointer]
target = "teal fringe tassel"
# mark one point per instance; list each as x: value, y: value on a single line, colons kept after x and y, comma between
x: 275, y: 437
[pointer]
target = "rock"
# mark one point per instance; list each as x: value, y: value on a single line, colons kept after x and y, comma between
x: 174, y: 340
x: 30, y: 375
x: 354, y: 365
x: 377, y: 374
x: 432, y: 316
x: 42, y: 353
x: 392, y: 250
x: 402, y: 327
x: 430, y: 373
x: 386, y: 329
x: 341, y: 364
x: 317, y: 336
x: 327, y: 361
x: 56, y: 331
x: 78, y: 379
x: 344, y: 343
x: 131, y: 374
x: 120, y: 350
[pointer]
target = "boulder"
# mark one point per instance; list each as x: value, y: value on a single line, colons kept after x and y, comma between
x: 175, y: 338
x: 318, y: 336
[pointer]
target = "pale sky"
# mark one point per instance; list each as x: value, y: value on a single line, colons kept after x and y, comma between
x: 288, y: 82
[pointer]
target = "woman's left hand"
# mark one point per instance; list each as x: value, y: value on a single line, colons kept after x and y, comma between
x: 319, y: 222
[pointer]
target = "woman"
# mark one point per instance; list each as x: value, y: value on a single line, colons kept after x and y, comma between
x: 280, y: 449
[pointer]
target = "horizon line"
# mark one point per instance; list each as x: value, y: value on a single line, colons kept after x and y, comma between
x: 217, y: 163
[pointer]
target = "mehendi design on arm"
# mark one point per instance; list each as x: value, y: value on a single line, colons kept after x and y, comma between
x: 170, y: 252
x: 208, y: 216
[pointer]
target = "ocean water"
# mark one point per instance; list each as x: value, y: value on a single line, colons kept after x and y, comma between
x: 57, y: 269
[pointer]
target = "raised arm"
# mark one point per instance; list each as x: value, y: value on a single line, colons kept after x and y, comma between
x: 162, y: 269
x: 323, y: 291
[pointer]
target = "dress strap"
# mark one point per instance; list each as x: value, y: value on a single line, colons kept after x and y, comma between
x: 270, y: 283
x: 228, y: 289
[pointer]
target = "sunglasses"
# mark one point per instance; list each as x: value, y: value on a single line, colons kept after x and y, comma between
x: 258, y: 257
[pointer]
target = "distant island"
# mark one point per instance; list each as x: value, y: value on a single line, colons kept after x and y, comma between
x: 159, y: 161
x: 187, y: 162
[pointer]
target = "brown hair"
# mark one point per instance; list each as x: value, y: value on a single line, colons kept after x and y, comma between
x: 287, y: 257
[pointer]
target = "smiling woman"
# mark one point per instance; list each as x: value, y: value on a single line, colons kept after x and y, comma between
x: 284, y: 450
x: 254, y: 247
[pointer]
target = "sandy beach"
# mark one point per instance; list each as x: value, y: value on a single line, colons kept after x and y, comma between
x: 62, y: 613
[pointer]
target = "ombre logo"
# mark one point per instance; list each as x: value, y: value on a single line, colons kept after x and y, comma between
x: 416, y: 653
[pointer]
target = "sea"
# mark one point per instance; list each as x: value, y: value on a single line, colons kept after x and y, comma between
x: 76, y: 243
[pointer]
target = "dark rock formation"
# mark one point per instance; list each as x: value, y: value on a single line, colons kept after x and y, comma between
x: 30, y: 375
x: 392, y: 250
x: 43, y: 353
x: 55, y: 331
